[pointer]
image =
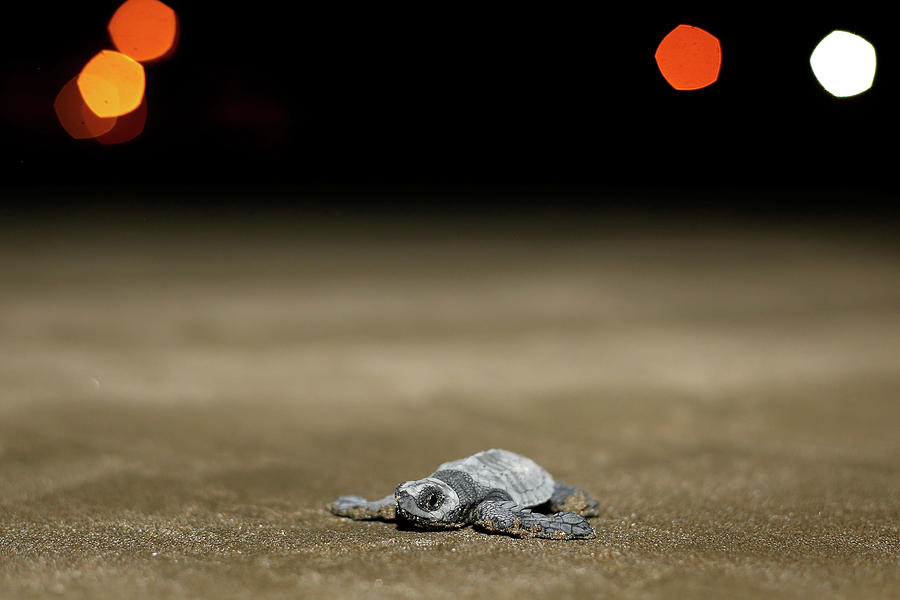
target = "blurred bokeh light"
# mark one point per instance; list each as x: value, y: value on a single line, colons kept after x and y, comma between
x: 77, y: 119
x: 127, y: 127
x: 145, y: 30
x: 844, y: 63
x: 112, y: 84
x: 689, y: 58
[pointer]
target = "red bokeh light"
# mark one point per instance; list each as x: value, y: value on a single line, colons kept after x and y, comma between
x: 145, y: 30
x: 689, y: 58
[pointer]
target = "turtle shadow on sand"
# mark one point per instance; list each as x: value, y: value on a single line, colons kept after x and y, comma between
x: 496, y: 491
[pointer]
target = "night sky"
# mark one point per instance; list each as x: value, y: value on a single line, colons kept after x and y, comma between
x: 445, y: 97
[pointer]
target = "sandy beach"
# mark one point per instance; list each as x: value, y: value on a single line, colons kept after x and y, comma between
x: 178, y: 405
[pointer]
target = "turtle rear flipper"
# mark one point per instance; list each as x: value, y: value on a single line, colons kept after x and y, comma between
x: 360, y: 509
x: 575, y: 500
x: 510, y: 518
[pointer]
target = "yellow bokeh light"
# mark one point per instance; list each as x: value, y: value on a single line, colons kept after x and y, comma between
x: 112, y: 84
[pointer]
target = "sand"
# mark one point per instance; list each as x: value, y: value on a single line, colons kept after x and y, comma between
x: 178, y: 404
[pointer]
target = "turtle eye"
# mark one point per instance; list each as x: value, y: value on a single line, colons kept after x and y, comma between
x: 434, y: 500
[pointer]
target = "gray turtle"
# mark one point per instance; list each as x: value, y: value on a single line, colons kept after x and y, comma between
x: 492, y: 490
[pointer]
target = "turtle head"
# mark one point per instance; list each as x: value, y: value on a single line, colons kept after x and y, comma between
x: 429, y: 502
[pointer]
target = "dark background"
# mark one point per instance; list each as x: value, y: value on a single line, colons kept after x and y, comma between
x: 490, y: 106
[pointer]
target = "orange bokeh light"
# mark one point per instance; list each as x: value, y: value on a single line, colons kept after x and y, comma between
x: 689, y: 58
x: 145, y: 30
x: 75, y: 117
x: 127, y: 127
x: 112, y: 84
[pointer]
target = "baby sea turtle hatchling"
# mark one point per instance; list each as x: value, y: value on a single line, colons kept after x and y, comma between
x: 493, y: 490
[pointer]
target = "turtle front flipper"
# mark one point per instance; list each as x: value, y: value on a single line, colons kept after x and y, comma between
x: 574, y: 500
x: 360, y: 509
x: 510, y: 518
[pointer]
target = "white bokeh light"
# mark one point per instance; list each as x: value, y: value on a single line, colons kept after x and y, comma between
x: 844, y: 64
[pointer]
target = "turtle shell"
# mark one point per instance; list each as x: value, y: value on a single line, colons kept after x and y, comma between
x: 528, y: 483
